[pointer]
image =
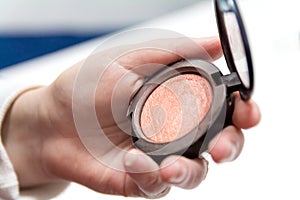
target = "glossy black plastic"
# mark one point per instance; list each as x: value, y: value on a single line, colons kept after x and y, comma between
x: 230, y: 6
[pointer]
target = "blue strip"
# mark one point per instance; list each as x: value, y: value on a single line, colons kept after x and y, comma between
x: 16, y: 49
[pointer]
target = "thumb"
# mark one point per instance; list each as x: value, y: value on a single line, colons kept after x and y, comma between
x: 145, y: 174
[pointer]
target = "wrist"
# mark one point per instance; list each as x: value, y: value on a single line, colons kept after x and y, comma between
x: 23, y: 133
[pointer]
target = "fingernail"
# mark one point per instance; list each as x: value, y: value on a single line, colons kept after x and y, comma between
x: 131, y: 157
x: 137, y: 162
x: 180, y: 174
x: 206, y: 165
x: 233, y: 149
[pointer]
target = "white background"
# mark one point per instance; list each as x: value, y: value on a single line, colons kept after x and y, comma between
x: 269, y: 166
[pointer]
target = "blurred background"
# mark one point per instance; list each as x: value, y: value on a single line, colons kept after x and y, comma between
x: 33, y: 28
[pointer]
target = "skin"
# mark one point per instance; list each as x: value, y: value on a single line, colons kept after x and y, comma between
x: 41, y: 139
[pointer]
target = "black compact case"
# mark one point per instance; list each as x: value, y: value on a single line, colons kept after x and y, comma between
x: 238, y: 57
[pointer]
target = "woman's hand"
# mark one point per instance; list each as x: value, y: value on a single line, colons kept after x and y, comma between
x: 45, y: 144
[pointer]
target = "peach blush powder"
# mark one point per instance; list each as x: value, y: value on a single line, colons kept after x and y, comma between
x: 175, y: 107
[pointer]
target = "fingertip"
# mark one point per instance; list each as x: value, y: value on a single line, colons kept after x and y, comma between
x: 144, y: 172
x: 136, y: 161
x: 246, y: 114
x: 227, y: 146
x: 212, y: 45
x: 224, y: 153
x: 219, y: 152
x: 184, y: 173
x: 169, y: 168
x: 255, y: 113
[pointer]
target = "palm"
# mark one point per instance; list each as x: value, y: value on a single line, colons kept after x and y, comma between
x: 69, y: 159
x: 86, y: 157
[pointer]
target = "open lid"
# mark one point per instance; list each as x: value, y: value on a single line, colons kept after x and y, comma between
x: 235, y: 44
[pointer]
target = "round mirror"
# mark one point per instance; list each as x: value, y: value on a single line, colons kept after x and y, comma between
x: 235, y: 44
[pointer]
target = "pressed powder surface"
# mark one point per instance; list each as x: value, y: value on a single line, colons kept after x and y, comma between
x: 175, y: 107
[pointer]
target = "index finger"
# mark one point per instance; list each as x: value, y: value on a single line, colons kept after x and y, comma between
x: 166, y: 51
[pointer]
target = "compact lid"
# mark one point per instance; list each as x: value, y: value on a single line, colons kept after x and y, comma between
x: 235, y: 44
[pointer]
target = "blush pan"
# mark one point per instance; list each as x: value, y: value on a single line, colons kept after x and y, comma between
x: 175, y: 107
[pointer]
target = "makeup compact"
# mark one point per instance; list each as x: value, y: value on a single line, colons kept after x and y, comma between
x: 181, y: 108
